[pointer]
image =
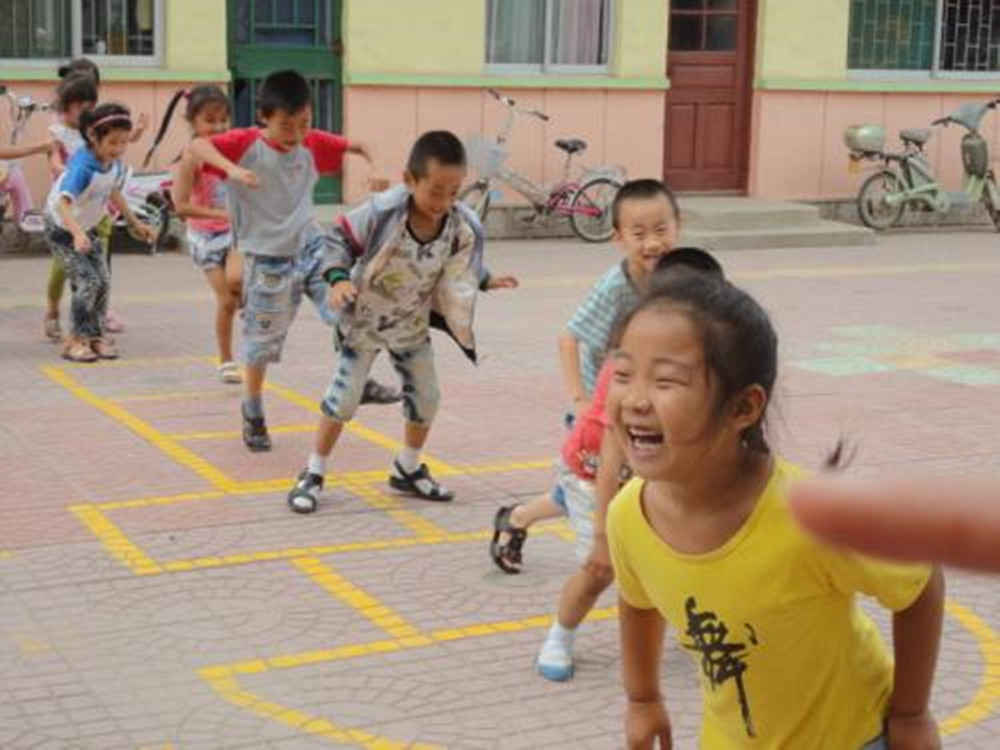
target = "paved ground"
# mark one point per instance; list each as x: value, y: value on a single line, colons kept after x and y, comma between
x: 156, y: 593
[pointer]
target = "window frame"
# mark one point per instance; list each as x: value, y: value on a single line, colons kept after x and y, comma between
x: 547, y: 67
x: 931, y: 74
x: 104, y: 61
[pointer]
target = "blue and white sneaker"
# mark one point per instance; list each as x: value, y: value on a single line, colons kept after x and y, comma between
x: 555, y: 660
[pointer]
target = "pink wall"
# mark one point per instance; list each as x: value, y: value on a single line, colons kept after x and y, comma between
x: 620, y: 127
x: 144, y: 96
x: 798, y: 149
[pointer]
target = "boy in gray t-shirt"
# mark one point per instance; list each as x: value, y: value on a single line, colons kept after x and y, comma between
x: 272, y: 172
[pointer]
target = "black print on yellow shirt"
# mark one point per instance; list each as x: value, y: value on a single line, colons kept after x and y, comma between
x: 720, y: 661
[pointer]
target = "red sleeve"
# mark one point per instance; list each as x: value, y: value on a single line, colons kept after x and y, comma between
x: 327, y: 150
x: 233, y: 144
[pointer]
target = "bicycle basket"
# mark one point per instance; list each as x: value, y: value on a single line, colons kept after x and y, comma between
x: 485, y: 155
x: 865, y: 139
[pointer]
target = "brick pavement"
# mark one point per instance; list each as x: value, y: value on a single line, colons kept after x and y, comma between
x: 157, y: 593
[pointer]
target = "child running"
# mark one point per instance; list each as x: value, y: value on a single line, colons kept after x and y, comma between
x: 398, y: 260
x: 200, y: 198
x: 704, y: 538
x: 645, y: 215
x: 76, y: 205
x: 272, y: 171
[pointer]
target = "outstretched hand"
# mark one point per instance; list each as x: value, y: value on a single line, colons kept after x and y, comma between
x: 955, y: 522
x: 503, y: 282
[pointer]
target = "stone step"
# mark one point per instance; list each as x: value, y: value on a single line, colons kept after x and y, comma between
x: 817, y: 234
x: 739, y: 213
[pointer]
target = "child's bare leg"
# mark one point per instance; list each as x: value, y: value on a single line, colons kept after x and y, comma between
x: 255, y: 435
x: 578, y: 596
x: 225, y: 311
x: 542, y: 508
x: 234, y: 276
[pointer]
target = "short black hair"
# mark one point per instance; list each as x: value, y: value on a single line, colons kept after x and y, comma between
x: 76, y: 89
x: 97, y: 123
x: 286, y: 91
x: 442, y: 146
x: 80, y: 65
x: 641, y: 190
x: 684, y: 259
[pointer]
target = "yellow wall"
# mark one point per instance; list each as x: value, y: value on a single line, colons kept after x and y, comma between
x: 641, y: 38
x: 448, y: 37
x: 196, y: 35
x: 415, y: 36
x: 802, y: 39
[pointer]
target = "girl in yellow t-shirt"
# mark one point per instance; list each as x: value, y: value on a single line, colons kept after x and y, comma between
x: 703, y: 539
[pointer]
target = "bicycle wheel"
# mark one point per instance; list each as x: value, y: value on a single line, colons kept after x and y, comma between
x: 994, y: 211
x: 872, y: 206
x: 590, y: 211
x: 477, y: 197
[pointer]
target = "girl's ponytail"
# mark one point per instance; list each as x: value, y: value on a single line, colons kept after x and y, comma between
x: 161, y: 132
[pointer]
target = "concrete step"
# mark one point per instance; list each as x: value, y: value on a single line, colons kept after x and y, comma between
x: 817, y: 234
x: 724, y: 213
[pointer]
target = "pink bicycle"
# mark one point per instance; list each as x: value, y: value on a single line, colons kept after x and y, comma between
x: 586, y: 200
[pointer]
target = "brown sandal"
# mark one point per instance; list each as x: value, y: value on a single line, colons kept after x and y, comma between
x: 104, y: 348
x: 78, y: 350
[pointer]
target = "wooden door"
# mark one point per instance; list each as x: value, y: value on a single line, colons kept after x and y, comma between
x: 710, y: 67
x: 270, y: 35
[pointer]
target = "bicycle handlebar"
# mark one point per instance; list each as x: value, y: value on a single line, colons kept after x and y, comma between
x: 512, y: 104
x: 941, y: 121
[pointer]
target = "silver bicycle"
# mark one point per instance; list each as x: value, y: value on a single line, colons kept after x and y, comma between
x: 586, y: 200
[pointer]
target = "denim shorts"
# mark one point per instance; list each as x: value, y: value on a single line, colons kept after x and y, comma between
x: 576, y: 498
x: 209, y: 249
x: 272, y: 292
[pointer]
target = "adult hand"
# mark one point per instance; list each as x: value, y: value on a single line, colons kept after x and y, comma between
x: 956, y: 522
x: 81, y: 242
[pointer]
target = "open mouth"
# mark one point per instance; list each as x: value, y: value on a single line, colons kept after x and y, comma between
x: 644, y: 440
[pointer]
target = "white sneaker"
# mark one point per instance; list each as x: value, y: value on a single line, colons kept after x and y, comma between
x: 555, y: 660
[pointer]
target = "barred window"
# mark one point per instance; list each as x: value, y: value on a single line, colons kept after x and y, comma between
x: 57, y: 29
x: 928, y: 35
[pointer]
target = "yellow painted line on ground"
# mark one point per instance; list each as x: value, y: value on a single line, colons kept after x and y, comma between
x: 171, y: 448
x: 115, y: 541
x: 177, y: 396
x: 384, y: 618
x: 9, y: 302
x: 392, y: 507
x: 987, y: 699
x: 354, y: 427
x: 5, y: 554
x: 287, y: 429
x: 149, y: 502
x: 231, y: 691
x: 32, y: 645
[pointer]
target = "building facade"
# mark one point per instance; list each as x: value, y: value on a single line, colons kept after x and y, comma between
x: 733, y: 96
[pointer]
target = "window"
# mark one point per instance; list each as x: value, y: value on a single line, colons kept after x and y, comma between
x: 548, y: 35
x: 113, y: 31
x: 703, y: 25
x: 939, y: 36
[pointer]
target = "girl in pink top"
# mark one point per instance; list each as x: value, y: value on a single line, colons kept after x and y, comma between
x: 200, y: 198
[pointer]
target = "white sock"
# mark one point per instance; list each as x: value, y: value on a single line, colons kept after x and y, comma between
x: 317, y: 464
x: 409, y: 459
x: 559, y: 634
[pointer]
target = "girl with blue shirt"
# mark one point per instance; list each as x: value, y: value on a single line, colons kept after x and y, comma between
x: 78, y: 202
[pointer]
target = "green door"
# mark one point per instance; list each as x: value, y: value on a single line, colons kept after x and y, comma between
x: 304, y: 35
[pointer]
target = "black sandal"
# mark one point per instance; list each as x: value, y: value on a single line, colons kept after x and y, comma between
x: 507, y: 556
x: 409, y: 483
x: 304, y: 496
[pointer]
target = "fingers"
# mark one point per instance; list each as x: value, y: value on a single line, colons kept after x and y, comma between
x: 953, y: 522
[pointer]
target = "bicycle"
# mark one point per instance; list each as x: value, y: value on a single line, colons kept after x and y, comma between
x: 906, y: 179
x: 16, y: 204
x: 585, y: 201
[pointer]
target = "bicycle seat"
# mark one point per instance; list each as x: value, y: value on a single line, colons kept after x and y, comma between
x: 916, y: 136
x: 571, y: 145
